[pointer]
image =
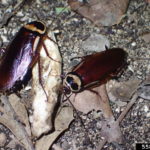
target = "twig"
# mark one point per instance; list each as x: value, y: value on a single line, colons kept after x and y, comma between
x: 121, y: 117
x: 129, y: 105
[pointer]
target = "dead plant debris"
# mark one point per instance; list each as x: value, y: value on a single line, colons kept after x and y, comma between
x: 118, y: 115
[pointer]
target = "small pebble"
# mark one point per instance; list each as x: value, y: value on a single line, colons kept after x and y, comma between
x: 133, y: 44
x: 148, y: 115
x: 96, y: 42
x: 146, y: 108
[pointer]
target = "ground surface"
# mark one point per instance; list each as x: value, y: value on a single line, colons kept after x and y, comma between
x: 73, y: 29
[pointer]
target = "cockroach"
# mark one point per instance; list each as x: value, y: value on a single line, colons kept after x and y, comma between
x: 94, y: 70
x: 21, y: 54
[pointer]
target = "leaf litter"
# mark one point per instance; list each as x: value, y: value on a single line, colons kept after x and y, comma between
x: 101, y: 13
x: 14, y: 113
x: 45, y: 98
x: 110, y: 123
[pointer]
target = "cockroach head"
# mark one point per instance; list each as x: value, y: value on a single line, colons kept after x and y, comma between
x: 36, y: 26
x: 72, y: 83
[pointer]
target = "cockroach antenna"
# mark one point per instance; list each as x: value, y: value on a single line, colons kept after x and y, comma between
x: 68, y: 98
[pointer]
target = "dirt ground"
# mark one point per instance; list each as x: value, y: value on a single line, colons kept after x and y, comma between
x: 73, y: 29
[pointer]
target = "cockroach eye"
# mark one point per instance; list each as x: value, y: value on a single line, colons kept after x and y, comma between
x: 69, y: 79
x: 74, y: 86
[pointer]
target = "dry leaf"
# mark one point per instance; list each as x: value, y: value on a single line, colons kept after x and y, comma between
x: 148, y: 1
x: 85, y: 101
x: 122, y: 91
x: 62, y: 122
x: 108, y: 134
x: 50, y: 68
x: 20, y: 111
x: 93, y: 99
x: 111, y: 131
x: 96, y: 43
x: 101, y: 12
x: 9, y: 119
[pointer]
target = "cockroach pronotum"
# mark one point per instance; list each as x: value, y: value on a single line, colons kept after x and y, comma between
x: 94, y: 70
x: 21, y: 54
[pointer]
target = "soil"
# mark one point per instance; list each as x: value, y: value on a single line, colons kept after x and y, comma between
x: 73, y: 29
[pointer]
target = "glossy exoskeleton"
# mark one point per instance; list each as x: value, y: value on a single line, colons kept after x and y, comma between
x: 21, y: 54
x: 95, y: 69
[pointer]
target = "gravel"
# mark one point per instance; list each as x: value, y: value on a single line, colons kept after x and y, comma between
x: 73, y: 29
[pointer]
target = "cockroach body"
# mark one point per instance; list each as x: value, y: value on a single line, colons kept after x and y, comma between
x: 21, y: 54
x: 94, y: 70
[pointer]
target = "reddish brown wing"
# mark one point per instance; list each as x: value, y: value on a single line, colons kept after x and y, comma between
x: 17, y: 59
x: 100, y: 66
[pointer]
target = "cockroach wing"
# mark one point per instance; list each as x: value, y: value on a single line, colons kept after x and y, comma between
x: 100, y: 66
x: 17, y: 59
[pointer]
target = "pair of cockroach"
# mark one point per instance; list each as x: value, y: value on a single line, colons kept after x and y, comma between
x: 23, y: 52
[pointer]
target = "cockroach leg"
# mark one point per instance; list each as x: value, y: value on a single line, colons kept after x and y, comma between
x: 67, y: 98
x: 74, y: 97
x: 40, y: 78
x: 46, y: 51
x: 50, y: 39
x: 81, y: 57
x: 34, y: 60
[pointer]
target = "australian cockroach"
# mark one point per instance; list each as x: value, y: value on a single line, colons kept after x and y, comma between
x: 21, y: 54
x: 94, y: 70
